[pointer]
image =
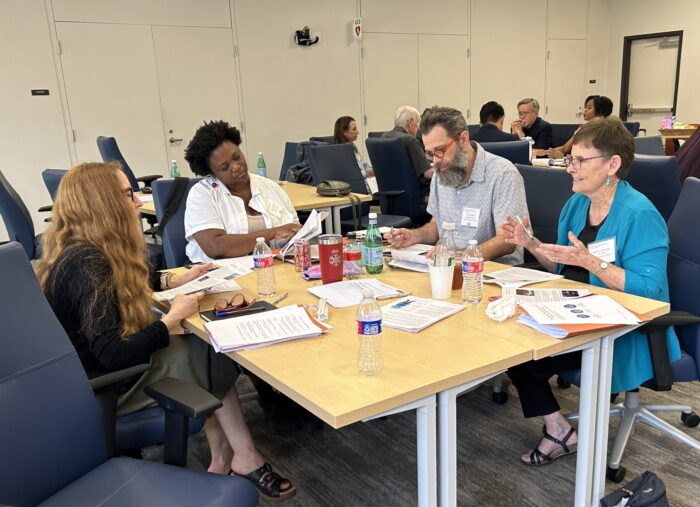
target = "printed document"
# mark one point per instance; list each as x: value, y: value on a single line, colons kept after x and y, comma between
x: 349, y: 292
x: 591, y: 310
x: 415, y: 314
x: 241, y: 265
x: 206, y: 281
x: 413, y: 257
x: 518, y: 277
x: 542, y: 295
x: 310, y: 229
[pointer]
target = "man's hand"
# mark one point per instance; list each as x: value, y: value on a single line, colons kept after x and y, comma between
x: 554, y: 153
x: 401, y: 237
x: 517, y: 127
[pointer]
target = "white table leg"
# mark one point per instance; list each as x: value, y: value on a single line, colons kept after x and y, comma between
x: 587, y: 424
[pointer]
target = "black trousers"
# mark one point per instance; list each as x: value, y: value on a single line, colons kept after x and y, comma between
x: 532, y: 381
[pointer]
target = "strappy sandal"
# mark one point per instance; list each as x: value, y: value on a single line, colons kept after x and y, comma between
x: 268, y: 483
x: 538, y: 458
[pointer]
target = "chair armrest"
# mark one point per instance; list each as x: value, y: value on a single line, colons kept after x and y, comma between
x: 114, y: 377
x: 148, y: 180
x: 48, y: 207
x: 658, y: 348
x: 174, y: 395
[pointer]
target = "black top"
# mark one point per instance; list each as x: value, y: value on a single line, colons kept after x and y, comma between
x: 416, y: 154
x: 587, y: 235
x: 490, y: 133
x: 541, y: 133
x: 77, y: 274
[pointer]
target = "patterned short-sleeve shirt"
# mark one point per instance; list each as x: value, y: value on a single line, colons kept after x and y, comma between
x: 495, y: 189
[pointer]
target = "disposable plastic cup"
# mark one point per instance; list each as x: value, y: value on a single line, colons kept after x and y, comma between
x: 441, y: 281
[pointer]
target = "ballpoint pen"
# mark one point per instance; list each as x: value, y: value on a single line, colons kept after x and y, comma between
x: 393, y: 296
x: 226, y: 313
x: 527, y: 231
x: 279, y: 298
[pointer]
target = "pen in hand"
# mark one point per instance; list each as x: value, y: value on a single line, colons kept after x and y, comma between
x: 526, y: 229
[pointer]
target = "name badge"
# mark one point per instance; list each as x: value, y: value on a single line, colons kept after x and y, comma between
x: 603, y: 249
x: 275, y: 209
x: 470, y: 217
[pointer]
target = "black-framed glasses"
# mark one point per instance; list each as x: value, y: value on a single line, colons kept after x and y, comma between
x: 129, y: 192
x: 440, y: 152
x: 237, y: 303
x: 576, y: 162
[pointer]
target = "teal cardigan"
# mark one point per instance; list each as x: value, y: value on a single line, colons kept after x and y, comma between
x: 641, y: 249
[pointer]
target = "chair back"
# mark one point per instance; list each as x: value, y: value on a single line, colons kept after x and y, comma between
x: 289, y: 158
x: 374, y: 134
x: 52, y: 178
x: 174, y: 241
x: 649, y: 145
x: 337, y: 162
x: 656, y: 178
x: 562, y: 132
x: 632, y: 126
x: 518, y: 152
x: 394, y: 172
x: 323, y: 139
x: 18, y: 221
x: 684, y: 264
x: 546, y: 191
x: 109, y: 150
x: 473, y: 129
x: 50, y: 429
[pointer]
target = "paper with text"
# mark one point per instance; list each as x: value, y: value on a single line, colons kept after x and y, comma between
x: 415, y: 314
x: 349, y: 292
x: 542, y: 295
x: 310, y: 229
x: 206, y: 281
x: 518, y: 277
x: 590, y: 310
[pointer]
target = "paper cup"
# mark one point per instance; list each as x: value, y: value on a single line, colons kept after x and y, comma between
x: 441, y: 281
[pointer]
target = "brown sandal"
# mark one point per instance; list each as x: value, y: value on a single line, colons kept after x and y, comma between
x: 269, y: 484
x: 538, y: 458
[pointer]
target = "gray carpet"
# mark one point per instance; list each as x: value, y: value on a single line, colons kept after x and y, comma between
x: 374, y: 464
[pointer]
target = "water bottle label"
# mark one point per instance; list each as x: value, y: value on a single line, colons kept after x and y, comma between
x: 472, y: 266
x: 369, y: 327
x: 373, y: 256
x: 262, y: 262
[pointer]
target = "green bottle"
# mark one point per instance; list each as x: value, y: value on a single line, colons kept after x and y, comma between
x: 262, y: 167
x: 374, y: 261
x: 174, y: 171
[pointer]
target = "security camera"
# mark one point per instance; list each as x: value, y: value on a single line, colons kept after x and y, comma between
x: 303, y: 38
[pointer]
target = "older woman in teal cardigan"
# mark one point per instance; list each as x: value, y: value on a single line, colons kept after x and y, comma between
x: 610, y: 236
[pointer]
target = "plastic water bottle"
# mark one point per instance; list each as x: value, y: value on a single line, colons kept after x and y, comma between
x: 374, y: 260
x: 352, y: 258
x: 472, y: 274
x: 265, y: 271
x: 174, y: 171
x: 262, y: 167
x: 445, y: 248
x: 369, y: 334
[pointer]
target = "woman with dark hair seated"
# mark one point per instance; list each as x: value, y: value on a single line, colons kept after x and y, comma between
x: 595, y: 106
x: 605, y: 210
x: 96, y: 278
x: 688, y: 157
x: 230, y: 207
x: 345, y: 131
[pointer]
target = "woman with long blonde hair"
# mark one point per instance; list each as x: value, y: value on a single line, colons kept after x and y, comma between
x: 96, y: 277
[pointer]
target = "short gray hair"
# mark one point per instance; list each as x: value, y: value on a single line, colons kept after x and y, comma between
x: 534, y: 105
x: 448, y: 118
x: 404, y: 114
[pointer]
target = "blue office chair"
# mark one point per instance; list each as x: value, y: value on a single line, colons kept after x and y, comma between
x: 174, y: 241
x: 322, y: 139
x: 49, y: 411
x: 649, y: 145
x: 396, y: 180
x: 52, y: 178
x: 633, y: 127
x: 109, y: 150
x: 518, y: 152
x: 18, y: 221
x: 375, y: 134
x: 656, y: 178
x: 562, y: 132
x: 289, y: 159
x: 338, y: 162
x: 683, y: 279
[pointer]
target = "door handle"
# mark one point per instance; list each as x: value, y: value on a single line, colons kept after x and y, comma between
x: 174, y: 140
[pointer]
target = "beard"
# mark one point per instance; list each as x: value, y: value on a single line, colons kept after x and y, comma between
x: 452, y: 173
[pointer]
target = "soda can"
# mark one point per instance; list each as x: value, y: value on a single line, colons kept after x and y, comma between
x: 302, y: 255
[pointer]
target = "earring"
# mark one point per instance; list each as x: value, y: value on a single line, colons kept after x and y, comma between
x: 607, y: 183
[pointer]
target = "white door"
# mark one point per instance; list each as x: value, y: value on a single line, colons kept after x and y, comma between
x: 566, y: 81
x: 652, y: 81
x: 112, y: 90
x: 197, y: 82
x: 443, y: 76
x: 390, y: 74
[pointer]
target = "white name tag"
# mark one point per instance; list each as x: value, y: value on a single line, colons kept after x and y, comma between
x: 603, y: 249
x: 470, y: 217
x: 275, y: 209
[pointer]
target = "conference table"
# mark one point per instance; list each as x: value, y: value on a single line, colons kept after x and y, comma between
x: 425, y: 372
x: 303, y: 197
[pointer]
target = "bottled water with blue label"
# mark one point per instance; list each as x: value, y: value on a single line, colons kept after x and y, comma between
x: 369, y: 334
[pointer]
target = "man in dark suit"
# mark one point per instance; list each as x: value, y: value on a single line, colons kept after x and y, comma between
x: 406, y: 122
x: 491, y: 119
x: 529, y: 124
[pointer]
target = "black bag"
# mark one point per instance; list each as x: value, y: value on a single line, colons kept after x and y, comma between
x: 333, y: 188
x: 645, y: 490
x: 300, y: 171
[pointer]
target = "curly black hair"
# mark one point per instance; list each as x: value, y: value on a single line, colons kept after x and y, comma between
x: 208, y: 138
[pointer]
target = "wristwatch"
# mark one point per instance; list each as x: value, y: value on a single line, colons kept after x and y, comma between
x: 602, y: 267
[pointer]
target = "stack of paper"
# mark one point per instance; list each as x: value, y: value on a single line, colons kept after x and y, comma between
x: 260, y: 329
x: 310, y: 229
x: 413, y: 257
x: 517, y: 277
x: 349, y: 292
x: 415, y: 314
x: 207, y: 281
x: 542, y: 295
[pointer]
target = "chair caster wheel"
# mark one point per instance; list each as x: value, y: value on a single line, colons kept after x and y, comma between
x: 501, y: 398
x: 563, y: 383
x: 690, y: 420
x: 615, y: 474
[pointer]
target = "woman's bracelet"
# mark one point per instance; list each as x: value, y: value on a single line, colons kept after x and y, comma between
x: 165, y: 279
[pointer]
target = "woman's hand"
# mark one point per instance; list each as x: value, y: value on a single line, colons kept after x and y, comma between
x: 181, y: 307
x: 514, y: 233
x: 193, y: 273
x: 285, y: 231
x: 575, y: 255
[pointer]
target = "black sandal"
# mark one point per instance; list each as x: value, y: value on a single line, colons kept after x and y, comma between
x: 538, y: 458
x: 268, y: 483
